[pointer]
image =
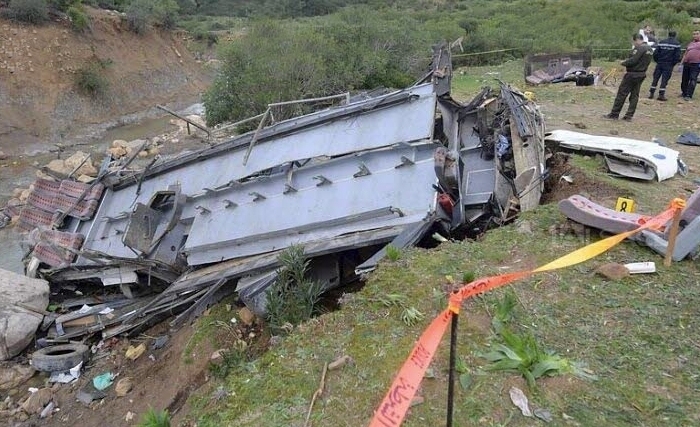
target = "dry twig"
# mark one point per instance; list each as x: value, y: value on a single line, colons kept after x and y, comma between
x: 317, y: 393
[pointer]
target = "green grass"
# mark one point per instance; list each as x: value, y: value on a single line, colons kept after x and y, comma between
x: 638, y: 336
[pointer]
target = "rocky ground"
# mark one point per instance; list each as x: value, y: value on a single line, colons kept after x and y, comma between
x: 158, y: 377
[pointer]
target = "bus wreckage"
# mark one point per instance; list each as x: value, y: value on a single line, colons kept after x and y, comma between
x: 343, y: 182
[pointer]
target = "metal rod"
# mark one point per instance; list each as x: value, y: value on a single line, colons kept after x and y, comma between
x: 188, y: 121
x: 302, y: 101
x: 255, y: 135
x: 240, y: 122
x: 453, y: 359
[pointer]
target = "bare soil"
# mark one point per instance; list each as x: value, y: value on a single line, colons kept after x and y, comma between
x: 39, y: 101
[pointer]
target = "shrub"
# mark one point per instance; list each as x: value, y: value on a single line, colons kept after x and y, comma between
x: 153, y: 418
x: 78, y: 18
x: 293, y: 298
x: 29, y: 11
x: 63, y: 5
x: 141, y: 13
x: 393, y: 253
x: 90, y: 80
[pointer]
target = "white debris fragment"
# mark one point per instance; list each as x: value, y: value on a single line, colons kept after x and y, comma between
x: 520, y: 400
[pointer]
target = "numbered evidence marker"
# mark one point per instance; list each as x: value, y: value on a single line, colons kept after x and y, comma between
x: 624, y: 205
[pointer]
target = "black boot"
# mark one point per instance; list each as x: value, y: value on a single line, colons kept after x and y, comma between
x: 662, y: 97
x: 651, y: 94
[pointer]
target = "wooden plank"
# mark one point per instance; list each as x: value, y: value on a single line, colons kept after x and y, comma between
x: 526, y: 155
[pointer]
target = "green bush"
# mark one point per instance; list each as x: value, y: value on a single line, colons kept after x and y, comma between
x: 78, y: 18
x: 142, y: 13
x: 29, y: 11
x: 277, y: 61
x: 293, y: 298
x: 91, y: 81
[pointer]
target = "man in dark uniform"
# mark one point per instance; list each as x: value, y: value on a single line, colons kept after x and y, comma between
x: 636, y: 66
x: 666, y: 55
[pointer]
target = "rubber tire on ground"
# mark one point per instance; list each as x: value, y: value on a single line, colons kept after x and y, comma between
x: 59, y: 358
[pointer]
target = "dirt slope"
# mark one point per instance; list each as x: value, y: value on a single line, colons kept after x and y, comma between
x: 38, y: 101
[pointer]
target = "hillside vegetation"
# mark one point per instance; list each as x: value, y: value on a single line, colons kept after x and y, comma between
x: 279, y: 50
x: 360, y: 47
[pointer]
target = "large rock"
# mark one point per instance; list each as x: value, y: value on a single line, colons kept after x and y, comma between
x: 21, y: 298
x: 82, y: 162
x: 12, y: 376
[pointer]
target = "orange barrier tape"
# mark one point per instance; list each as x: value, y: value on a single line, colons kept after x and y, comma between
x: 395, y: 404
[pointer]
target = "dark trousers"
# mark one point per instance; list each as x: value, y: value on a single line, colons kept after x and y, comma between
x: 662, y: 71
x: 630, y: 86
x: 689, y: 79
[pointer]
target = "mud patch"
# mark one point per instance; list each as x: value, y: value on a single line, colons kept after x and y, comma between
x: 558, y: 187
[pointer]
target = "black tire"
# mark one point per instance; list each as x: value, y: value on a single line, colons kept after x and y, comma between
x: 59, y: 358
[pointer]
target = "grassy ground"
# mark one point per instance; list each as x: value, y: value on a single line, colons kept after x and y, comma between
x: 638, y: 335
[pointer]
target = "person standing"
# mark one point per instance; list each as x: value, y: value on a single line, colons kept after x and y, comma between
x: 647, y: 34
x: 666, y: 55
x: 636, y: 66
x: 691, y: 67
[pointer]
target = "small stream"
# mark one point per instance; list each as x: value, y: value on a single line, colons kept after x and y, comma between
x: 147, y: 128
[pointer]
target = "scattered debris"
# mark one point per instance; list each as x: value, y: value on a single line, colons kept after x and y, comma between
x: 687, y: 243
x: 89, y: 393
x: 688, y: 138
x: 520, y: 400
x: 60, y: 358
x: 103, y: 381
x: 123, y: 387
x: 554, y: 68
x: 66, y: 376
x: 160, y: 342
x: 543, y: 414
x: 641, y: 267
x: 623, y: 156
x: 37, y: 401
x: 133, y: 353
x: 47, y: 410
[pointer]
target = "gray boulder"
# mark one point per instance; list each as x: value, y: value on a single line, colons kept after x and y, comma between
x: 22, y: 299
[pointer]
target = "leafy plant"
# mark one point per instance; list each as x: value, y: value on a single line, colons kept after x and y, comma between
x: 153, y: 418
x: 389, y: 300
x: 503, y: 312
x: 231, y: 359
x: 522, y: 354
x: 293, y: 298
x: 411, y: 316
